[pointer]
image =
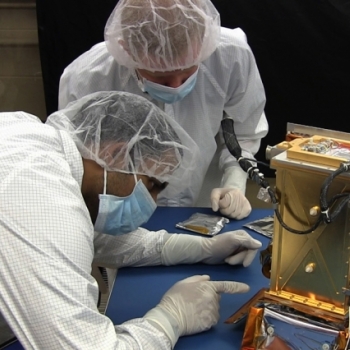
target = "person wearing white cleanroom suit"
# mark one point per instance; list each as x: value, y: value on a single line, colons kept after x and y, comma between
x: 176, y: 54
x: 98, y: 166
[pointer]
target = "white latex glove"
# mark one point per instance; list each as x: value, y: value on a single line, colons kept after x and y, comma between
x: 230, y: 198
x: 231, y: 202
x: 233, y: 247
x: 191, y: 306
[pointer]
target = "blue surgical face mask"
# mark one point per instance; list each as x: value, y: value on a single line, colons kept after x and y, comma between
x: 167, y: 94
x: 120, y: 215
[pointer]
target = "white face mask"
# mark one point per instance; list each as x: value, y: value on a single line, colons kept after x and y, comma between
x: 121, y: 215
x: 167, y: 94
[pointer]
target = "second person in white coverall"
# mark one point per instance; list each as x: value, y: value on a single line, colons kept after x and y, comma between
x: 176, y: 54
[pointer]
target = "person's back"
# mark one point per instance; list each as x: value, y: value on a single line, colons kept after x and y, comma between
x: 41, y: 205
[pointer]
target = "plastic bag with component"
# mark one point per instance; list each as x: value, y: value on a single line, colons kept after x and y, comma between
x: 263, y: 226
x: 204, y: 224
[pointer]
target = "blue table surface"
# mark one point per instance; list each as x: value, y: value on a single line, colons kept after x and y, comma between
x: 138, y: 289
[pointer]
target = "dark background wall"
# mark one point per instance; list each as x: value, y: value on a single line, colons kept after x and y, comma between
x: 301, y: 48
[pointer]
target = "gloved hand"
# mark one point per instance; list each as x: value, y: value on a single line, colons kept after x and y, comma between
x: 233, y: 247
x: 231, y: 202
x: 191, y: 306
x: 230, y: 198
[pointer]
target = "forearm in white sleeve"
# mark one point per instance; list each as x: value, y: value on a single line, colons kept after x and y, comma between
x: 234, y: 177
x: 138, y: 248
x: 181, y: 249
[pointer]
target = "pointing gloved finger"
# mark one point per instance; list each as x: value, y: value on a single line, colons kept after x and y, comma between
x: 230, y: 287
x: 196, y: 278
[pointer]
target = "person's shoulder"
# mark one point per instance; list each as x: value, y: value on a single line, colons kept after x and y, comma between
x: 33, y: 133
x: 232, y: 38
x: 232, y: 47
x: 231, y: 50
x: 17, y: 116
x: 99, y: 48
x: 97, y: 55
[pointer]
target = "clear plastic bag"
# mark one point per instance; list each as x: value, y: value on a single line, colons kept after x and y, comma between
x: 263, y: 226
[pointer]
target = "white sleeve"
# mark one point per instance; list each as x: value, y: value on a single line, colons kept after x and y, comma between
x: 94, y: 70
x: 138, y: 248
x: 50, y: 303
x: 245, y: 105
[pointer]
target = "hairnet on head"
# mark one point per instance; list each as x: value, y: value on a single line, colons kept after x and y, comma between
x: 125, y: 132
x: 162, y: 35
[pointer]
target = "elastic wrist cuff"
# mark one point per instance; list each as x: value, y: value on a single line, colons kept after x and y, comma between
x: 164, y: 322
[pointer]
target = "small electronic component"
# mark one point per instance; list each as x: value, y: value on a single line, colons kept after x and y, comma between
x: 323, y: 146
x: 327, y: 147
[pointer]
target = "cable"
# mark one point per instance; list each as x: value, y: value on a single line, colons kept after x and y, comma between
x: 259, y: 162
